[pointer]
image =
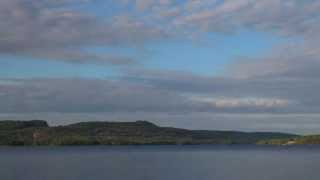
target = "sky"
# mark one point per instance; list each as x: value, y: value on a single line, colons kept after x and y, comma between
x: 247, y: 65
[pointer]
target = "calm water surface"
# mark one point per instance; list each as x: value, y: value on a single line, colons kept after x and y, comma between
x: 160, y: 163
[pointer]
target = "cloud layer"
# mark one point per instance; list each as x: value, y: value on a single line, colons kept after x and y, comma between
x: 284, y: 81
x: 56, y: 30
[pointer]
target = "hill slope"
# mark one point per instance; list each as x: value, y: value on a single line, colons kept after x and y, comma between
x: 120, y: 133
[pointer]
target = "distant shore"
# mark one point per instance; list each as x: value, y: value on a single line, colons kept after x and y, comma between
x: 39, y: 133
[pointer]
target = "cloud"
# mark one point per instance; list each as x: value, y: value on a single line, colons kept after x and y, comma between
x: 289, y: 88
x: 243, y: 102
x: 82, y: 57
x: 154, y: 92
x: 282, y: 82
x: 288, y: 72
x: 143, y: 4
x: 96, y: 95
x: 44, y: 29
x: 86, y: 95
x: 292, y: 17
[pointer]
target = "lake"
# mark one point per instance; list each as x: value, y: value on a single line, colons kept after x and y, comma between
x: 160, y: 163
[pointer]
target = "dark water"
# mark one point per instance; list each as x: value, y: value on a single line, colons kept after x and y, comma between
x: 160, y: 163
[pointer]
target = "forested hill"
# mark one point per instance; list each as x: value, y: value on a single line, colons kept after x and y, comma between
x: 120, y: 133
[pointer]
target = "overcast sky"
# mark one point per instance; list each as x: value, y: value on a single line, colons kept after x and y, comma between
x: 249, y: 65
